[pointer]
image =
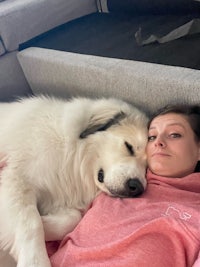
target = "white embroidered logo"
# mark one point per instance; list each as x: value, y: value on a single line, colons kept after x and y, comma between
x: 174, y: 212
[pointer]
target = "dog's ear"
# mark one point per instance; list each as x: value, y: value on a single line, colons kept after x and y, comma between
x: 96, y: 127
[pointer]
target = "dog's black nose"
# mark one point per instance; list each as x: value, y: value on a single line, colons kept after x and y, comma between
x: 135, y: 187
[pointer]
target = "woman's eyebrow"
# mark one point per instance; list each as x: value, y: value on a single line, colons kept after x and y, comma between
x: 152, y: 127
x: 170, y: 124
x: 176, y: 124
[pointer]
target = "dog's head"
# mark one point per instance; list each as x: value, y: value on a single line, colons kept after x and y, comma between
x: 117, y: 142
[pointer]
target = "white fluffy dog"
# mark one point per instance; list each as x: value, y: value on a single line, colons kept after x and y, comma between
x: 59, y: 155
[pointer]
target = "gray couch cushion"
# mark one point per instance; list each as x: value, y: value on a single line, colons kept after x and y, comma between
x: 12, y: 81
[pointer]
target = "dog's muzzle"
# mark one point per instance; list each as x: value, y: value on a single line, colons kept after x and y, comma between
x: 134, y: 187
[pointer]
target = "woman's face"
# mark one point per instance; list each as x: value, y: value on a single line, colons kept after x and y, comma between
x: 172, y: 149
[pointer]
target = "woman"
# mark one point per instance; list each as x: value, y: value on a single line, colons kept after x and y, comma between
x: 175, y: 129
x: 161, y: 227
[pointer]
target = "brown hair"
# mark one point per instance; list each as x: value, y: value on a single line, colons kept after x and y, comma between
x: 191, y: 112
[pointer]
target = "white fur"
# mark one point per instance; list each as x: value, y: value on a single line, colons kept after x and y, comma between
x: 51, y: 175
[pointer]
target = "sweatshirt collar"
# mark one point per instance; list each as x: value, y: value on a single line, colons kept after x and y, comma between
x: 190, y: 182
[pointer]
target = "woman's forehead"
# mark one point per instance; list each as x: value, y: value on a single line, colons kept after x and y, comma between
x: 170, y: 119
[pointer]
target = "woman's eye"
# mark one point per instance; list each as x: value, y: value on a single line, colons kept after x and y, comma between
x: 175, y: 135
x: 151, y: 138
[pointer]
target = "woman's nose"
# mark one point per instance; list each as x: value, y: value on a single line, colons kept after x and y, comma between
x: 160, y: 142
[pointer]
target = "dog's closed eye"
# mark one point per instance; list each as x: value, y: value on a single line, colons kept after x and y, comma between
x: 129, y: 148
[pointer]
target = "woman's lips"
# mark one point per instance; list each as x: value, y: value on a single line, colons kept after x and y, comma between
x: 160, y: 154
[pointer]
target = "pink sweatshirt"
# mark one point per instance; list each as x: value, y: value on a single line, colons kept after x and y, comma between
x: 161, y: 228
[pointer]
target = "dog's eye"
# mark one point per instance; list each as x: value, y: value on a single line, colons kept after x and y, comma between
x: 101, y: 176
x: 129, y: 148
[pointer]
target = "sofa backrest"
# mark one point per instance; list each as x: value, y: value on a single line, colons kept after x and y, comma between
x: 146, y: 85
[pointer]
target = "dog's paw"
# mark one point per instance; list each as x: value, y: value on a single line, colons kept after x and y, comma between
x: 57, y: 225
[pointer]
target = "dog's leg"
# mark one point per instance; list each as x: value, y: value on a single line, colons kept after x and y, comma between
x: 58, y: 224
x: 20, y: 223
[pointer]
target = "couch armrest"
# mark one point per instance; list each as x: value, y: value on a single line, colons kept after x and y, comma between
x: 21, y: 20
